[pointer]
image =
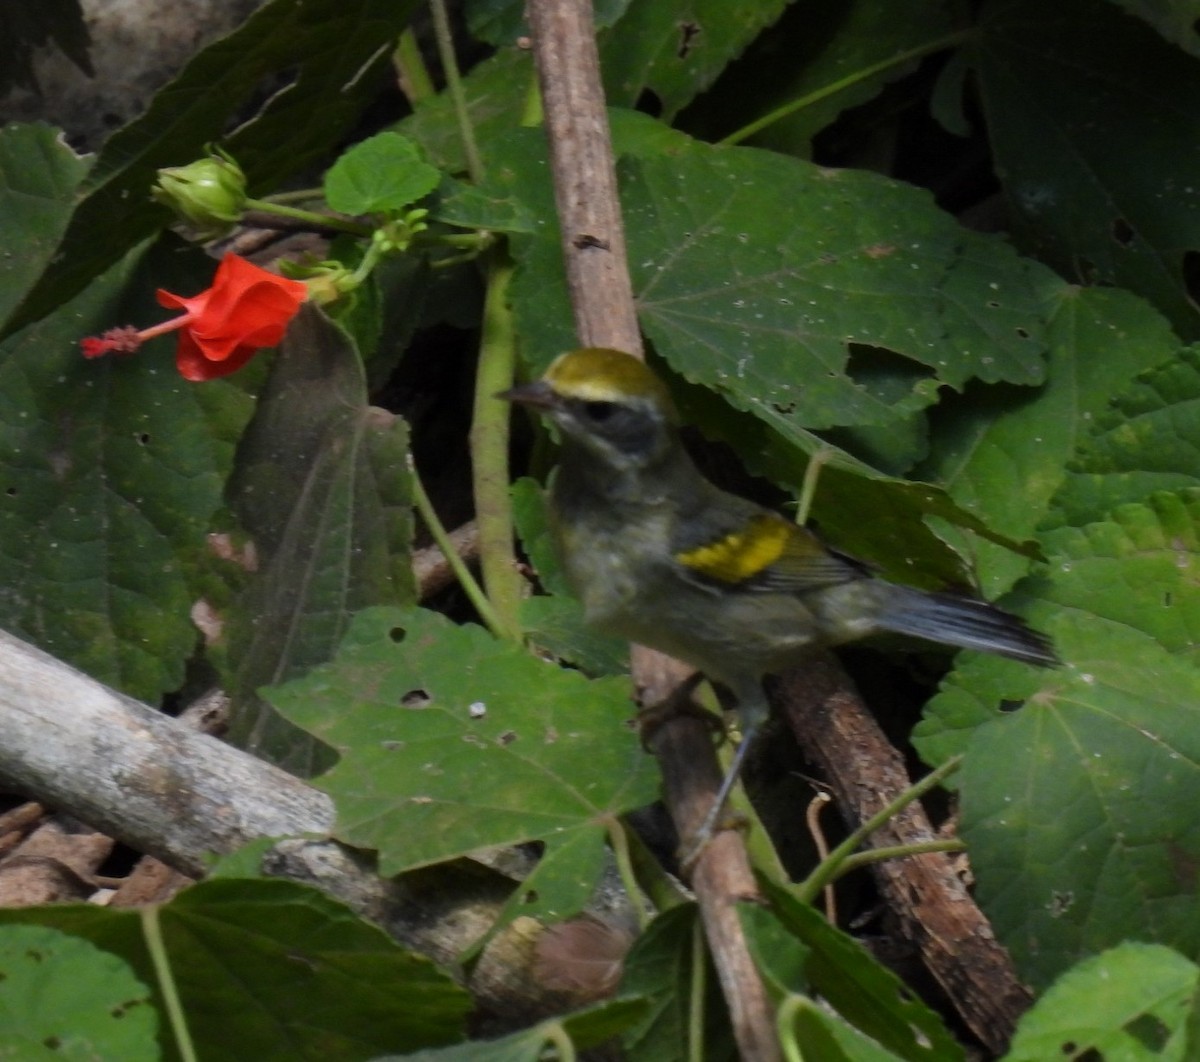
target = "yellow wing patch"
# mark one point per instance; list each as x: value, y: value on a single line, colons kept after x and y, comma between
x: 743, y: 554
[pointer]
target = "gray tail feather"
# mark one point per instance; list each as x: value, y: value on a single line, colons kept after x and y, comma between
x: 967, y: 623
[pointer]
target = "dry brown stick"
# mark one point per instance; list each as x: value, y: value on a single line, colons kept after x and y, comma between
x: 937, y: 913
x: 593, y: 243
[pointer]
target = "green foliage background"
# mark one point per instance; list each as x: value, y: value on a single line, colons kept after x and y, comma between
x: 953, y: 247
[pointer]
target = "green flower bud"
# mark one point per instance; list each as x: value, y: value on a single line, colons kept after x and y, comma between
x: 210, y: 194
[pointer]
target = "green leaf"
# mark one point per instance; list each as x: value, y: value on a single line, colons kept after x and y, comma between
x: 1149, y: 441
x: 660, y: 967
x: 1135, y: 570
x: 676, y: 48
x: 1077, y: 808
x: 772, y: 317
x: 1132, y: 1001
x: 383, y: 173
x: 451, y: 741
x: 868, y: 995
x: 64, y: 999
x: 322, y: 485
x: 1002, y: 456
x: 271, y: 971
x: 1095, y: 124
x: 1131, y: 575
x: 110, y: 473
x: 331, y: 49
x: 38, y: 178
x: 827, y: 56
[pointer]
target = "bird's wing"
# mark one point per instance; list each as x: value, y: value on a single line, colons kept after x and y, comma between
x: 747, y: 547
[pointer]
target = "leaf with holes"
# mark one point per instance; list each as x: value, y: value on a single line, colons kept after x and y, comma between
x: 62, y: 997
x: 451, y: 741
x: 1133, y: 1001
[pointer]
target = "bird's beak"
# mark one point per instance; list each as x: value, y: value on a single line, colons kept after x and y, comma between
x: 538, y: 395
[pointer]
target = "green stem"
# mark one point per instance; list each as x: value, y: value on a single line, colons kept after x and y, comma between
x: 461, y: 572
x: 296, y: 195
x: 896, y: 851
x: 152, y: 932
x: 618, y: 839
x: 489, y: 449
x: 563, y: 1044
x: 808, y: 489
x: 445, y: 45
x: 695, y: 1033
x: 829, y: 869
x: 785, y: 1019
x: 415, y: 81
x: 320, y: 221
x: 929, y: 48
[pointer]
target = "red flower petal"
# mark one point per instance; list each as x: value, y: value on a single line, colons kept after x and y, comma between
x: 246, y: 309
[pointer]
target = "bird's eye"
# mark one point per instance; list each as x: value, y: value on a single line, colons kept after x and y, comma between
x: 599, y: 411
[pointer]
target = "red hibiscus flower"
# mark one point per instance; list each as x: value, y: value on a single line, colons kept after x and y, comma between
x: 222, y: 328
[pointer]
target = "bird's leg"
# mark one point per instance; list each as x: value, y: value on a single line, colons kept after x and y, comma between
x: 753, y: 710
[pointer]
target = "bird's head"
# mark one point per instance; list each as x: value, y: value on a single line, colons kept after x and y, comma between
x: 606, y: 401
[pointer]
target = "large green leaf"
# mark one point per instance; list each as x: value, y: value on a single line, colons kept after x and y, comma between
x: 329, y: 49
x: 38, y: 178
x: 64, y: 999
x: 1133, y: 1001
x: 1129, y: 576
x: 322, y: 484
x: 110, y: 472
x: 1003, y: 457
x: 1148, y: 441
x: 1095, y: 124
x: 451, y: 741
x: 820, y: 59
x: 761, y: 276
x: 270, y: 970
x: 1078, y: 808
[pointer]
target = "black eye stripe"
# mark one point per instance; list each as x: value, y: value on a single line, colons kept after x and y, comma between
x: 599, y: 411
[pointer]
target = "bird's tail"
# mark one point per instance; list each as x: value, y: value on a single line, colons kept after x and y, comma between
x: 964, y: 622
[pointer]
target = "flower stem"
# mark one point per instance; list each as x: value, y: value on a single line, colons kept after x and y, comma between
x: 311, y: 217
x: 462, y: 573
x: 152, y: 932
x: 831, y: 868
x: 445, y: 45
x: 834, y: 87
x: 489, y: 448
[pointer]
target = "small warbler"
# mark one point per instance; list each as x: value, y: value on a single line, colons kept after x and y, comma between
x: 660, y: 556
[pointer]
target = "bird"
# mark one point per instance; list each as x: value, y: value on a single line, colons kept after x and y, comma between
x: 659, y: 555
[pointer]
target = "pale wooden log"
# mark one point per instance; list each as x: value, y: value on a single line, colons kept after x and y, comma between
x: 138, y: 775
